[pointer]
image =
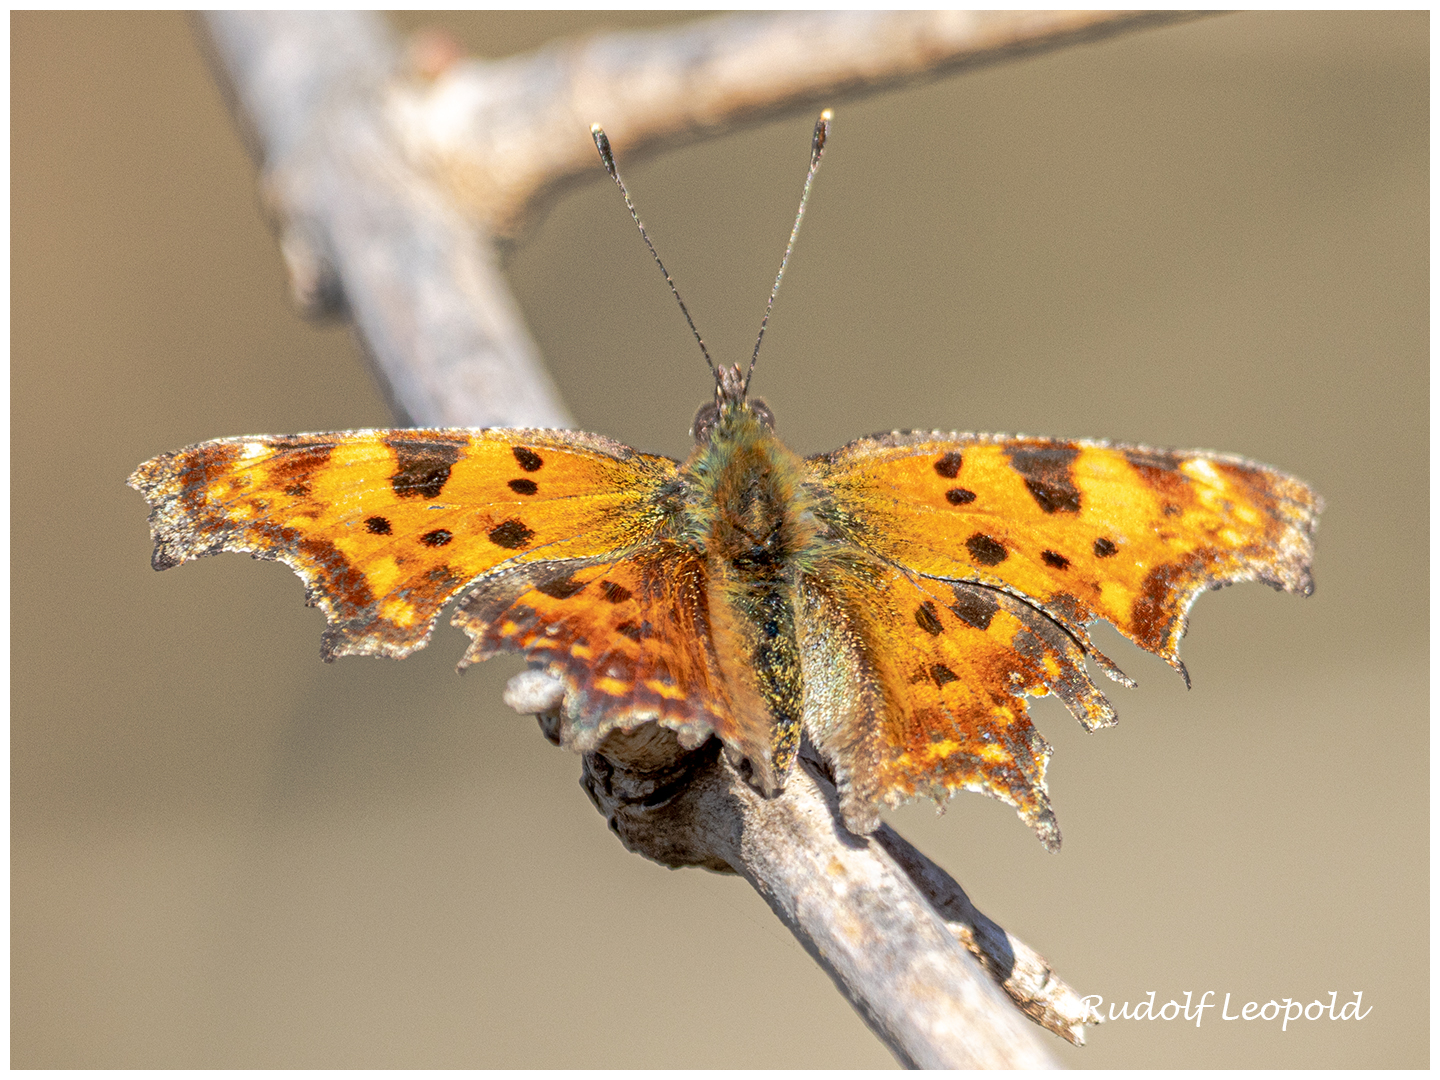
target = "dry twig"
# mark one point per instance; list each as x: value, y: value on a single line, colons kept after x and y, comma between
x: 502, y: 135
x: 390, y: 195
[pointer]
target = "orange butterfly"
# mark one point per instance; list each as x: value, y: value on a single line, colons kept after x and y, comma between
x: 892, y: 601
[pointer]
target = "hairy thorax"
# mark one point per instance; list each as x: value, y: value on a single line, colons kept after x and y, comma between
x: 746, y: 505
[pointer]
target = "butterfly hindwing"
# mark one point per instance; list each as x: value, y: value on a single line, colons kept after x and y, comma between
x: 918, y: 687
x: 627, y: 637
x: 1083, y: 530
x: 385, y: 527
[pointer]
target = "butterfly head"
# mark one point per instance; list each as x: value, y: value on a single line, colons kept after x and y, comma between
x: 731, y: 409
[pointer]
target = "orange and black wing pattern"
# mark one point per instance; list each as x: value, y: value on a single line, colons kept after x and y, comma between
x: 557, y: 538
x: 629, y: 638
x: 990, y: 556
x: 918, y: 689
x: 385, y: 527
x: 1083, y: 530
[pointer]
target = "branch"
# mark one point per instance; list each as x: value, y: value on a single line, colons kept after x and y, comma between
x: 1022, y: 973
x: 360, y: 227
x: 501, y: 135
x: 377, y: 186
x: 902, y: 941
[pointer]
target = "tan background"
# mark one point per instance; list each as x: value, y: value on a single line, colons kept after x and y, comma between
x: 227, y: 853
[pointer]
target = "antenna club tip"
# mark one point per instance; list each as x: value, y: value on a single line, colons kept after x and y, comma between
x: 822, y: 132
x: 602, y: 143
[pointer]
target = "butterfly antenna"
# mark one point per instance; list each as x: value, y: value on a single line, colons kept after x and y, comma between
x: 817, y: 149
x: 603, y: 145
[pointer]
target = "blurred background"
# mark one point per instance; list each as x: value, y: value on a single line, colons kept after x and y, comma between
x: 226, y: 853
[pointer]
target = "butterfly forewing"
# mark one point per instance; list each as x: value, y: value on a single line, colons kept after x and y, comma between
x: 386, y: 526
x: 1082, y: 530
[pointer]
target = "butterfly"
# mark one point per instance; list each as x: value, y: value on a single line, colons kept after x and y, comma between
x: 892, y: 603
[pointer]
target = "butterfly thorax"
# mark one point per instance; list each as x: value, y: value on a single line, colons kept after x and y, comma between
x: 745, y: 500
x: 748, y: 510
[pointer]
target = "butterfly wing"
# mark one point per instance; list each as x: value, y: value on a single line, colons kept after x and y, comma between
x: 385, y: 527
x: 1083, y: 530
x: 628, y: 637
x: 916, y: 687
x: 562, y: 542
x: 1035, y: 539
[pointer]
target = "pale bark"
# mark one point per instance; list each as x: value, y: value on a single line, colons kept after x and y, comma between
x: 500, y: 135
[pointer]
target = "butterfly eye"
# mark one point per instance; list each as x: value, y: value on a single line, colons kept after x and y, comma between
x: 703, y: 422
x: 761, y: 410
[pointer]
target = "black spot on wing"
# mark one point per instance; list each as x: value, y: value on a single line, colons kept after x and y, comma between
x: 949, y: 463
x: 562, y: 587
x: 437, y: 538
x: 1046, y: 472
x: 529, y: 460
x: 1055, y: 559
x: 424, y: 465
x: 942, y: 674
x: 377, y: 525
x: 616, y: 594
x: 959, y: 496
x: 974, y: 605
x: 986, y: 551
x: 511, y: 534
x: 928, y: 620
x: 1105, y: 548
